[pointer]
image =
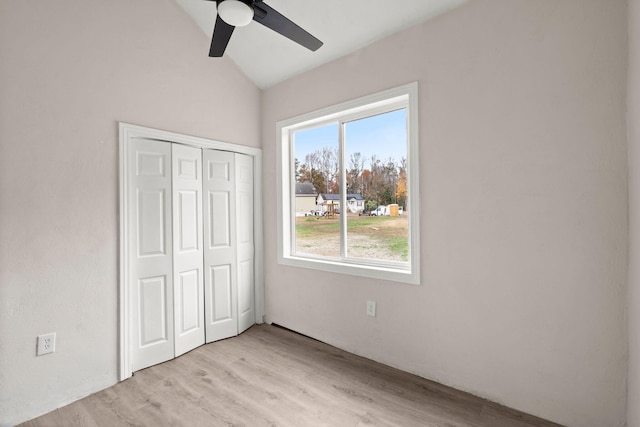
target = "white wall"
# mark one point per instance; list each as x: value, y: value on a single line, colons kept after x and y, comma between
x: 69, y: 70
x: 633, y: 126
x: 523, y: 208
x: 523, y: 205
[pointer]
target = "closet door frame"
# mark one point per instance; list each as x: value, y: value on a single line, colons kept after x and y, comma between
x: 129, y: 132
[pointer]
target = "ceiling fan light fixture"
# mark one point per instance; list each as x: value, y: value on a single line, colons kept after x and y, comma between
x: 235, y: 12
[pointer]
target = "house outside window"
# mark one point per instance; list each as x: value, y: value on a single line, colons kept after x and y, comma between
x: 355, y: 203
x: 305, y: 199
x: 362, y: 159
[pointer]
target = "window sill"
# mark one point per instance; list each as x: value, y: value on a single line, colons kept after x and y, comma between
x: 390, y: 273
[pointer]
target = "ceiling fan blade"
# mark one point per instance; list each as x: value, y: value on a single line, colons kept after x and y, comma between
x: 271, y: 18
x: 221, y: 35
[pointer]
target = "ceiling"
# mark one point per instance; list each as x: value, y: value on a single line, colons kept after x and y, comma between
x: 344, y: 26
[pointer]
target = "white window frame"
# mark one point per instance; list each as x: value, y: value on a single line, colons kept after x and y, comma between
x: 405, y: 96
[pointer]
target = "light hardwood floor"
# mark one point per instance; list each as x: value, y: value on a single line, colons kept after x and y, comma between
x: 269, y: 376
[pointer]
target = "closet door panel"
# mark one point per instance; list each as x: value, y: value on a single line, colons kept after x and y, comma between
x: 245, y: 278
x: 220, y: 257
x: 221, y: 293
x: 188, y: 221
x: 152, y: 293
x: 151, y: 222
x: 220, y: 219
x: 190, y: 299
x: 149, y: 256
x: 188, y: 248
x: 245, y: 249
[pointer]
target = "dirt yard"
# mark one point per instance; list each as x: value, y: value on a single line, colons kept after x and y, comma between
x: 383, y: 238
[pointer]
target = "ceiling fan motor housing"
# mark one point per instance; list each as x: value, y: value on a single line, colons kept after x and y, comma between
x: 236, y: 12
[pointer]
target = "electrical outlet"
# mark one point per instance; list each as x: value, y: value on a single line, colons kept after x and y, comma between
x: 46, y: 344
x: 371, y: 308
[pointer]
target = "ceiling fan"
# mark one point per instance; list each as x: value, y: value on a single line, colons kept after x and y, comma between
x: 238, y: 13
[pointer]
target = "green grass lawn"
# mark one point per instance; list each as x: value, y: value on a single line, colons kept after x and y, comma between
x: 312, y: 227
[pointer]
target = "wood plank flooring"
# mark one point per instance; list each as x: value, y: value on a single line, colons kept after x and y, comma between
x: 269, y: 376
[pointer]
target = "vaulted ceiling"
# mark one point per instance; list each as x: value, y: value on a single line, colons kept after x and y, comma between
x: 344, y: 26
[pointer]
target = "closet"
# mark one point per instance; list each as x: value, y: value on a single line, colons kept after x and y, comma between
x: 189, y: 247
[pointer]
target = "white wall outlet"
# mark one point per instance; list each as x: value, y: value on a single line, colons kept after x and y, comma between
x: 371, y: 308
x: 46, y: 344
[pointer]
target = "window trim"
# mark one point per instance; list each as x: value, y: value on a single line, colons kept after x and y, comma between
x: 405, y: 96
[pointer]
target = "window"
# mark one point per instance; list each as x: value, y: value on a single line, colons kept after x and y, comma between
x: 348, y: 187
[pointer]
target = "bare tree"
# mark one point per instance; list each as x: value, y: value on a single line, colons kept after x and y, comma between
x: 354, y: 173
x: 328, y: 158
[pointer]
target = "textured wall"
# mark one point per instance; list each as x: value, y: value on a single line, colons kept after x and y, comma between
x: 633, y: 126
x: 523, y: 208
x: 69, y: 70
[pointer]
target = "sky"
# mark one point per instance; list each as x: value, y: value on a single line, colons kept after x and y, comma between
x: 384, y: 135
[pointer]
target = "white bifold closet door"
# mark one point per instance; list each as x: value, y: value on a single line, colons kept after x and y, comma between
x: 190, y: 248
x: 244, y: 231
x: 150, y: 253
x: 229, y: 250
x: 188, y: 284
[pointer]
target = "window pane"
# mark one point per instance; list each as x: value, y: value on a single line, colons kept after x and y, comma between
x: 376, y: 177
x: 317, y: 223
